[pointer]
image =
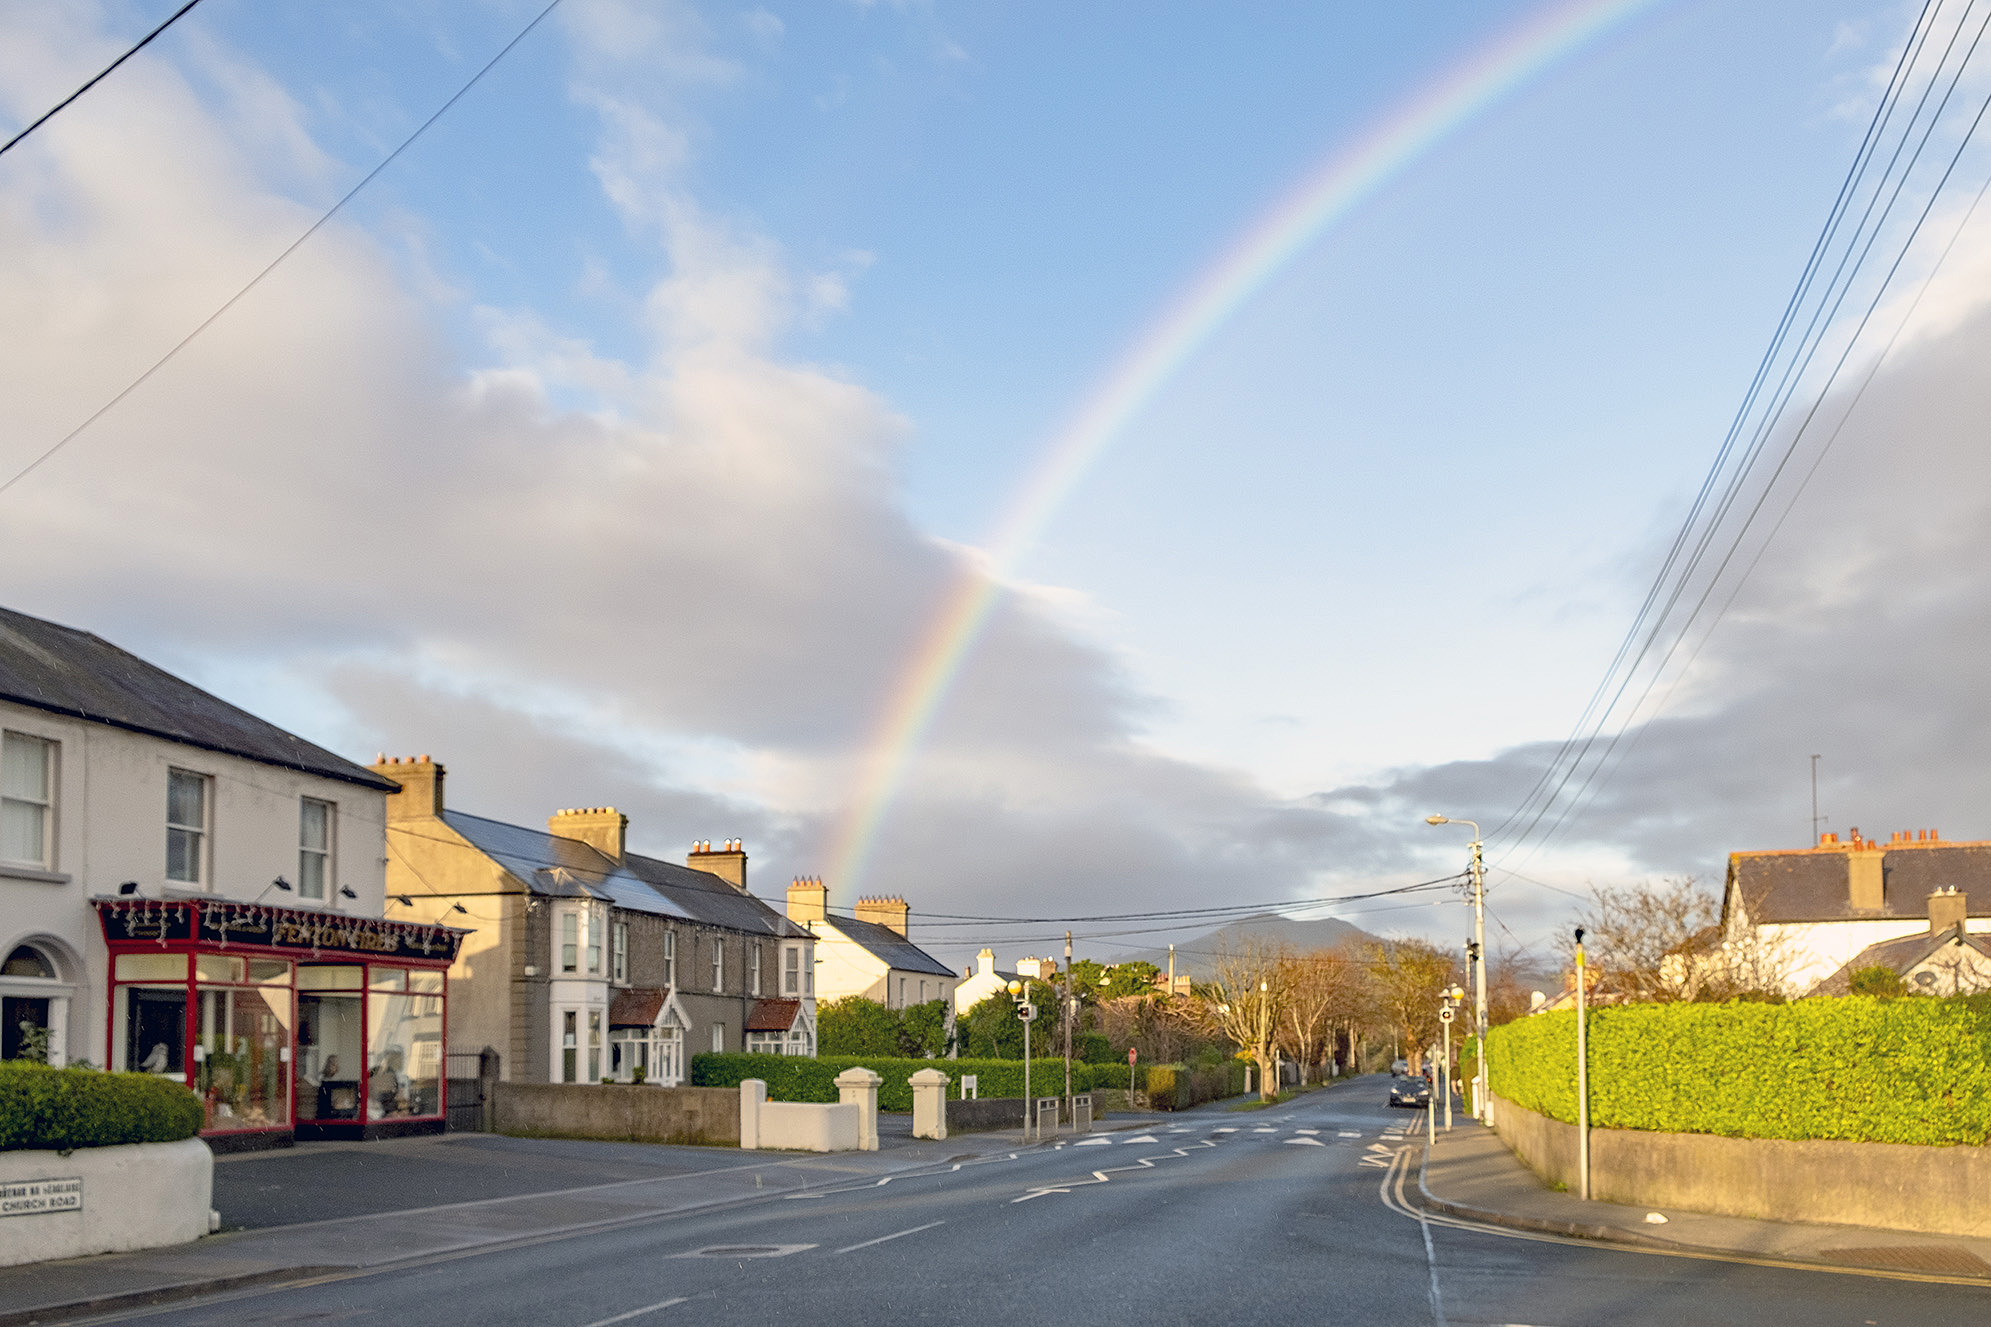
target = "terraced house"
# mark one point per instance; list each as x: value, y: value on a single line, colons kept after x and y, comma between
x: 590, y: 962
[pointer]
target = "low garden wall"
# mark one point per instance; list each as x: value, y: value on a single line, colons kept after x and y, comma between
x: 94, y: 1162
x: 623, y: 1112
x: 985, y: 1115
x: 1898, y: 1186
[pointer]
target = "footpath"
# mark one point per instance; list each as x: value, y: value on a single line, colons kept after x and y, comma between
x: 1471, y: 1175
x: 495, y: 1192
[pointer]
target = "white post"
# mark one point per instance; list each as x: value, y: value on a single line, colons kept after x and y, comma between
x: 929, y: 1103
x: 861, y: 1086
x: 753, y: 1092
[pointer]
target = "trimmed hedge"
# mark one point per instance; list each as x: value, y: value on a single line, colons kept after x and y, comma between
x: 794, y: 1078
x: 1850, y: 1067
x: 62, y: 1109
x: 1178, y: 1087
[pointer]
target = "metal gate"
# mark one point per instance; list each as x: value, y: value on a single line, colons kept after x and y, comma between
x: 469, y: 1073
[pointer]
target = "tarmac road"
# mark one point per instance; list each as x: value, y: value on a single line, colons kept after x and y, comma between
x: 1287, y: 1215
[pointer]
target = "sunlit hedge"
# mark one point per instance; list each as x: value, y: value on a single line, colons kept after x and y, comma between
x: 1850, y: 1067
x: 60, y: 1109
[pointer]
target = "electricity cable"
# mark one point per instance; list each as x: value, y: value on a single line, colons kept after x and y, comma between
x: 143, y: 42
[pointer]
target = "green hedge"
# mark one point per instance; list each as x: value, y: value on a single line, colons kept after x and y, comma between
x: 1178, y: 1087
x: 62, y: 1109
x: 1852, y: 1067
x: 794, y: 1078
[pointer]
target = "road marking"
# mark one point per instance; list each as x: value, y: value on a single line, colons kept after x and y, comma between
x: 1265, y: 1128
x: 852, y: 1248
x: 731, y: 1252
x: 1101, y: 1176
x: 1306, y: 1131
x: 637, y: 1313
x: 1305, y: 1142
x: 1144, y: 1138
x: 1351, y: 1133
x: 1094, y: 1142
x: 1228, y: 1128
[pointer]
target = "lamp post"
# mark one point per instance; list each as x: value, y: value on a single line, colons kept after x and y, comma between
x: 1482, y: 1104
x: 1448, y: 1001
x: 1026, y: 1012
x: 1582, y: 1077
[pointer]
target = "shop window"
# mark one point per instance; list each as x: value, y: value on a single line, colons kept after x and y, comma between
x: 27, y: 799
x: 314, y: 847
x: 570, y: 943
x: 387, y: 979
x: 329, y: 1049
x: 618, y: 952
x: 155, y: 1029
x: 219, y: 967
x: 594, y: 1045
x: 330, y: 977
x: 425, y: 983
x: 152, y: 967
x: 569, y: 1046
x: 241, y: 1036
x: 404, y: 1061
x: 186, y: 827
x: 791, y: 969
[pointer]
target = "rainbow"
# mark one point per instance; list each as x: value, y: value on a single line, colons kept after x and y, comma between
x: 1339, y: 184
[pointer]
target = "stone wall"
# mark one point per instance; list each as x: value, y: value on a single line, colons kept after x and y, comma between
x: 985, y: 1115
x: 1944, y: 1190
x: 636, y: 1113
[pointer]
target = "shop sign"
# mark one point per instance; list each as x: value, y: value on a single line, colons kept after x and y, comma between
x: 221, y: 923
x: 40, y: 1197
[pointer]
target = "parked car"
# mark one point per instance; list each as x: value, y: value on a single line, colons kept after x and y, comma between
x: 1407, y: 1090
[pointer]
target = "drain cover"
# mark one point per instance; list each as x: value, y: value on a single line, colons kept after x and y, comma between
x: 746, y: 1251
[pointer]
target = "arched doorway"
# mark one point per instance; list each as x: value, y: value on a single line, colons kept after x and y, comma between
x: 34, y: 1004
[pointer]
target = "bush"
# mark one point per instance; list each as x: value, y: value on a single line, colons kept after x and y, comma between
x: 794, y: 1078
x: 62, y: 1109
x: 1852, y: 1067
x: 1178, y: 1087
x: 1877, y: 980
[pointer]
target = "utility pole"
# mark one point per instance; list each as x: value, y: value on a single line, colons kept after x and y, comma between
x: 1482, y: 1098
x: 1171, y: 971
x: 1068, y: 1020
x: 1582, y: 1076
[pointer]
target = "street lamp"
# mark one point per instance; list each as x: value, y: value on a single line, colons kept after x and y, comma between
x: 1582, y: 1075
x: 1448, y: 1000
x: 1026, y: 1012
x: 1482, y: 1100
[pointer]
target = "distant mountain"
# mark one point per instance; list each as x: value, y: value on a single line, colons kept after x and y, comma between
x: 1194, y: 957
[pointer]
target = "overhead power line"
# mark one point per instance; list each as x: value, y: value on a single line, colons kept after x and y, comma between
x: 143, y: 42
x: 275, y: 262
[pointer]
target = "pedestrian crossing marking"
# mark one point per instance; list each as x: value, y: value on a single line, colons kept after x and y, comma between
x: 1305, y: 1142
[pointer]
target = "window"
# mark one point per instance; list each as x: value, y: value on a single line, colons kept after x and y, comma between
x: 718, y: 963
x: 569, y: 1051
x: 314, y: 847
x: 26, y: 794
x: 594, y: 1045
x: 718, y: 1038
x: 570, y: 944
x: 186, y: 827
x: 791, y: 970
x: 670, y: 958
x: 594, y: 947
x: 753, y: 969
x: 902, y: 992
x: 618, y: 952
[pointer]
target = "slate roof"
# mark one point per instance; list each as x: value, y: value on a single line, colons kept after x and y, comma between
x: 567, y: 868
x: 1899, y: 956
x: 65, y: 671
x: 889, y: 947
x: 773, y: 1015
x: 1811, y: 884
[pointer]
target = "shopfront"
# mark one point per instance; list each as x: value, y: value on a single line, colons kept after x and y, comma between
x: 287, y: 1023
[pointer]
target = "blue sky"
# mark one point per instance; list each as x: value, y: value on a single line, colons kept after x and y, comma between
x: 819, y: 282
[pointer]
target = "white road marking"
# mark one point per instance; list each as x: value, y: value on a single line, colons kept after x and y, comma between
x: 1228, y: 1128
x: 1305, y: 1142
x: 1094, y: 1142
x: 852, y: 1248
x: 1306, y: 1131
x: 1265, y: 1128
x: 1144, y: 1138
x: 1351, y: 1133
x: 637, y: 1313
x: 730, y: 1253
x: 1101, y: 1176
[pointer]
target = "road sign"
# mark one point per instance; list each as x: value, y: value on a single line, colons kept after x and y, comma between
x: 1444, y: 1015
x: 1132, y: 1055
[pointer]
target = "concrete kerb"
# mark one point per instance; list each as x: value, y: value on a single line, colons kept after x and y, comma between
x: 169, y: 1291
x: 1607, y: 1233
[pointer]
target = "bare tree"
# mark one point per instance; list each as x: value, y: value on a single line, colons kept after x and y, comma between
x: 1408, y: 978
x: 1321, y: 988
x: 1664, y: 942
x: 1245, y: 1001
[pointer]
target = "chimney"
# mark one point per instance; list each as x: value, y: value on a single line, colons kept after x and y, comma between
x: 728, y: 862
x: 1866, y: 885
x: 421, y: 787
x: 602, y: 828
x: 1947, y: 908
x: 808, y: 900
x: 885, y: 911
x: 985, y: 963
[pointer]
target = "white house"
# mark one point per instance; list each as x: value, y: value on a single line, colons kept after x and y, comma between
x: 1808, y: 912
x: 869, y: 954
x: 190, y: 891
